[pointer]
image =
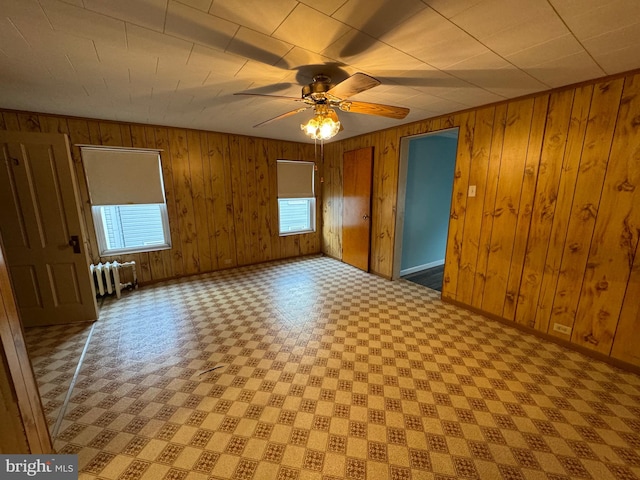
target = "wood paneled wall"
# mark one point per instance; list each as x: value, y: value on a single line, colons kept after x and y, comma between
x: 551, y: 238
x: 221, y: 193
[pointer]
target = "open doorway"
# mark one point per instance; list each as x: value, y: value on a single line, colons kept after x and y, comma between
x: 427, y: 165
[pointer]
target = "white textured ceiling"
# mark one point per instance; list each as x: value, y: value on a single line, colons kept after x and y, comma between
x: 178, y: 63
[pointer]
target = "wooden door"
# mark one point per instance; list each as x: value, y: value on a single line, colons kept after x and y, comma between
x: 41, y: 230
x: 356, y: 207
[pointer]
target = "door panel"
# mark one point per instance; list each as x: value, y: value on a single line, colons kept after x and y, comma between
x: 356, y: 207
x: 28, y: 295
x: 15, y: 233
x: 40, y: 213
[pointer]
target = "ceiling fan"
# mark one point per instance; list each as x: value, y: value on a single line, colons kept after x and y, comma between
x: 323, y: 97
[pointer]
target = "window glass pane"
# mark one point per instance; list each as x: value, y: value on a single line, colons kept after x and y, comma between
x: 132, y: 226
x: 295, y: 215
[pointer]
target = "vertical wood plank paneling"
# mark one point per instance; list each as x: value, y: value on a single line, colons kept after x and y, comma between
x: 273, y: 156
x: 491, y: 190
x: 625, y: 344
x: 251, y: 226
x: 553, y: 150
x: 615, y: 238
x: 11, y: 121
x: 188, y: 249
x: 94, y: 132
x: 339, y: 203
x: 209, y: 211
x: 223, y: 206
x: 384, y: 206
x: 201, y: 224
x: 377, y: 192
x: 263, y: 195
x: 110, y: 134
x: 312, y: 242
x: 458, y: 204
x: 505, y: 213
x: 586, y: 200
x: 332, y: 200
x: 29, y: 122
x: 126, y: 135
x: 51, y: 124
x: 566, y: 189
x: 474, y: 209
x: 315, y: 243
x: 536, y: 134
x: 239, y: 199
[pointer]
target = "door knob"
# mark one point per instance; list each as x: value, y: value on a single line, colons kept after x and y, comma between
x: 74, y: 242
x: 365, y: 217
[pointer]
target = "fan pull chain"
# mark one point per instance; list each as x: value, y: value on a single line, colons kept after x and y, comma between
x: 315, y: 149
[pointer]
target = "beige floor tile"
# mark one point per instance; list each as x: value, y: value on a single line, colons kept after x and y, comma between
x: 325, y: 372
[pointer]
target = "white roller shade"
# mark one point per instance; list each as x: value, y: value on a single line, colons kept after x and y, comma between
x: 295, y: 179
x: 123, y: 176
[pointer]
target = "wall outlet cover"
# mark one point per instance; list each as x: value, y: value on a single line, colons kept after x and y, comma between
x: 558, y: 327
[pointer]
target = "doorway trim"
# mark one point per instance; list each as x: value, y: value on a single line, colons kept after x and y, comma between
x: 402, y: 194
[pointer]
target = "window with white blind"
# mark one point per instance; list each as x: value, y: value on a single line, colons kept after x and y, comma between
x: 296, y: 199
x: 127, y: 199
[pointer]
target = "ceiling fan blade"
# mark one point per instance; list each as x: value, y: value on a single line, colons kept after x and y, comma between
x: 280, y: 117
x: 297, y: 99
x: 356, y: 83
x: 374, y: 109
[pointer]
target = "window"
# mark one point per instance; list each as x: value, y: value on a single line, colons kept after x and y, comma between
x: 131, y: 228
x: 296, y: 199
x: 127, y: 199
x: 296, y: 215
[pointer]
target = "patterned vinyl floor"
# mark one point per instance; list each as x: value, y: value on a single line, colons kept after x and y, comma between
x: 325, y: 372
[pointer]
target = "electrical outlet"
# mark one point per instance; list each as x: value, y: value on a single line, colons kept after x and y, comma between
x: 558, y: 327
x: 472, y: 190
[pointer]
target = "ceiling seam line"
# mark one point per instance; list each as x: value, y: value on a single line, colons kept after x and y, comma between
x: 575, y: 37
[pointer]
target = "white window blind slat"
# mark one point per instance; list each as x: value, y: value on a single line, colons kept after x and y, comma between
x: 122, y: 177
x: 295, y: 179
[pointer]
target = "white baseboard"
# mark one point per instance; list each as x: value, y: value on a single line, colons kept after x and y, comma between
x: 419, y: 268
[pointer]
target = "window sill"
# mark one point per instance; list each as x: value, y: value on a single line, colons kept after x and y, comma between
x: 127, y: 251
x: 297, y: 232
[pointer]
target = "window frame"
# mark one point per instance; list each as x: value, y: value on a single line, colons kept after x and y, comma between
x: 297, y: 187
x: 143, y: 184
x: 312, y: 217
x: 98, y: 224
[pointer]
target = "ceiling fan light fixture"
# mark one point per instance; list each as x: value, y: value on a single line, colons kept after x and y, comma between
x: 323, y: 126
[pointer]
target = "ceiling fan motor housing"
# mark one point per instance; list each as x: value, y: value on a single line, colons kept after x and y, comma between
x: 317, y: 89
